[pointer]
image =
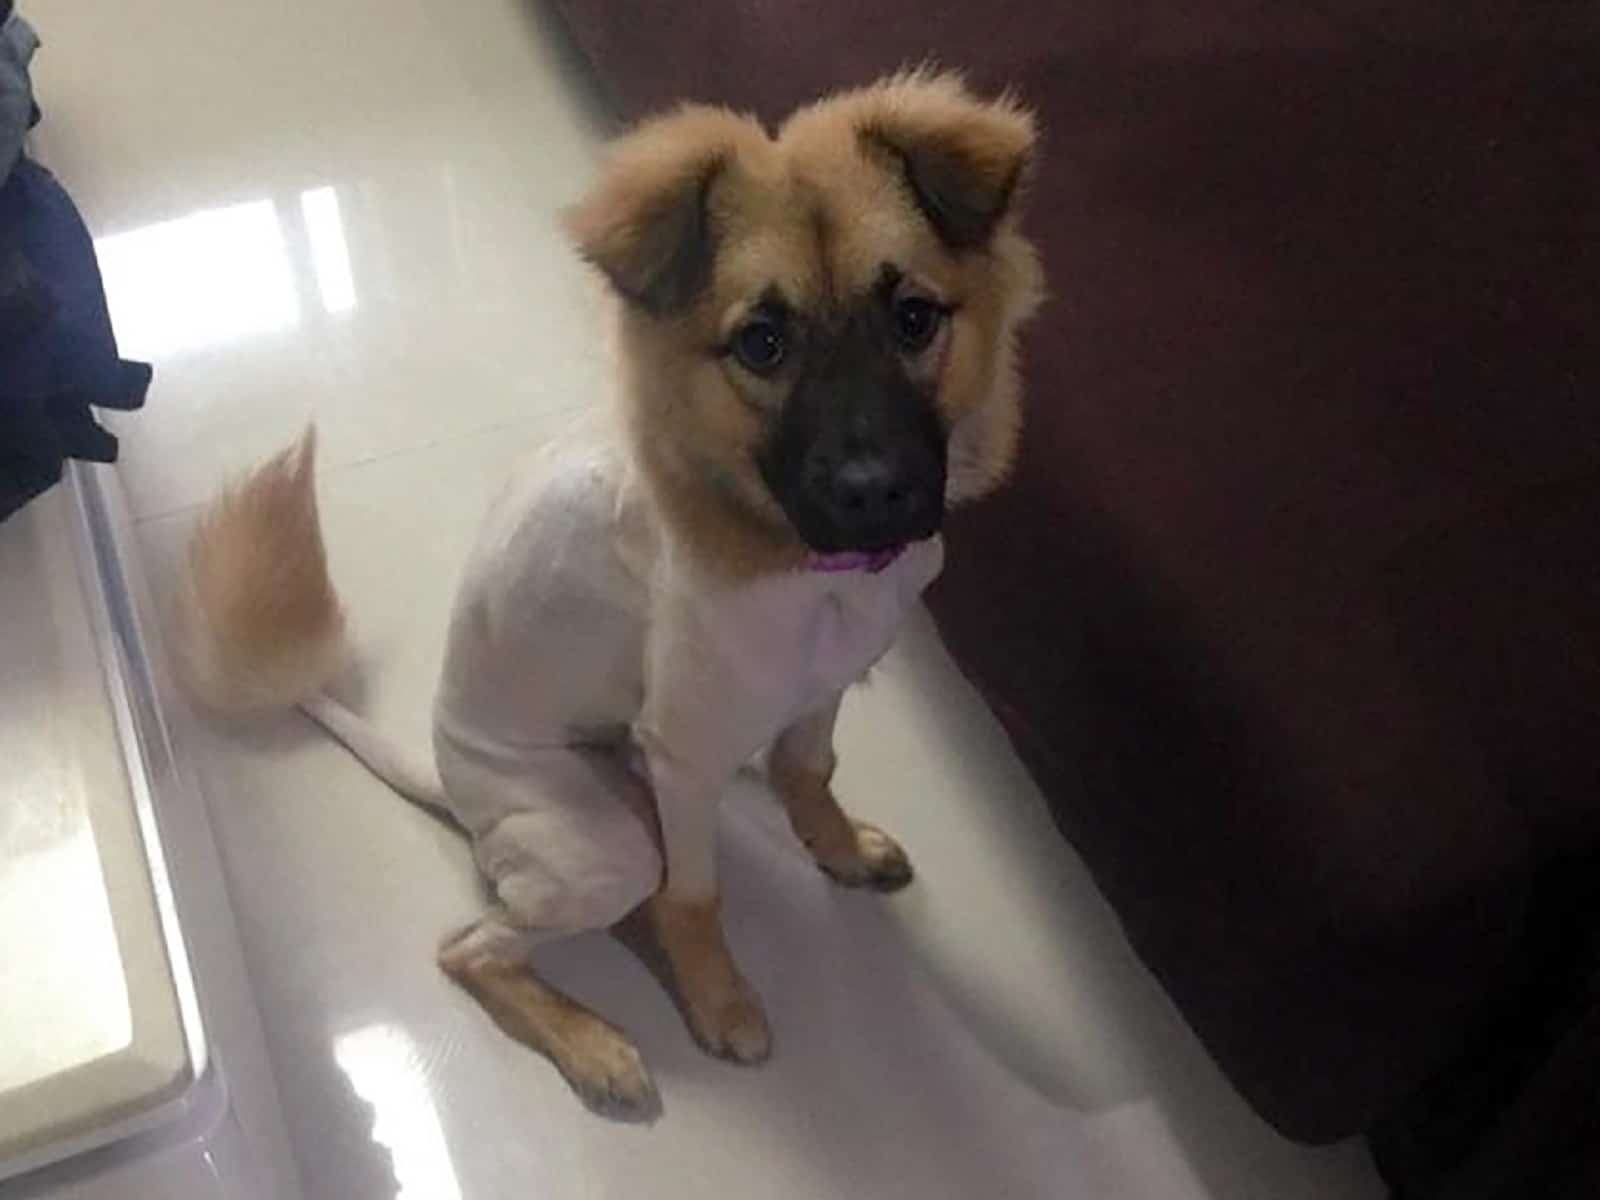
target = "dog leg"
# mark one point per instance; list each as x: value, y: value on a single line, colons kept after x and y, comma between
x: 488, y: 960
x: 678, y: 931
x: 853, y: 852
x: 682, y: 943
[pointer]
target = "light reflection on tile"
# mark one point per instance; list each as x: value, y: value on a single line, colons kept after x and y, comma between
x: 200, y: 280
x: 330, y: 255
x: 383, y: 1066
x: 62, y: 989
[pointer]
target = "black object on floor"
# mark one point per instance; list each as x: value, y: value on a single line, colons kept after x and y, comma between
x: 58, y: 355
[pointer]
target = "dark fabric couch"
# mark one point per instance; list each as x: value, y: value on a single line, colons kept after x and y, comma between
x: 1293, y: 608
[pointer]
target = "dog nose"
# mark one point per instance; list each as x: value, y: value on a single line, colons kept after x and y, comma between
x: 874, y: 494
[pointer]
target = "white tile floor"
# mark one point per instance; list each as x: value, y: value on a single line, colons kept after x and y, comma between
x: 347, y: 213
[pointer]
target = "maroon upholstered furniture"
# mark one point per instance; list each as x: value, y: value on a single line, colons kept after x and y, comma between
x: 1294, y: 606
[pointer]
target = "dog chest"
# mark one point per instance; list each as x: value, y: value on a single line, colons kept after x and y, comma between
x: 728, y: 668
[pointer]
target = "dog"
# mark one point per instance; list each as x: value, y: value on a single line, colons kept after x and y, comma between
x: 817, y: 342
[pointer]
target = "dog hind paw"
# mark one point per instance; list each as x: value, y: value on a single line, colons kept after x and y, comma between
x: 878, y: 861
x: 610, y: 1077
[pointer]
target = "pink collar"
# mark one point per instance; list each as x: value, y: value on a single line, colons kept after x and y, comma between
x: 871, y: 561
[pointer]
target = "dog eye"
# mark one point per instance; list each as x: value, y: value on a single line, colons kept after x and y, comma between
x: 916, y: 321
x: 759, y: 345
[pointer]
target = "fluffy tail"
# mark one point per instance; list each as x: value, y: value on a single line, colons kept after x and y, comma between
x: 259, y: 624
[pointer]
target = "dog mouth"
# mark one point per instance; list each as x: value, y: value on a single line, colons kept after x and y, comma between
x: 870, y: 561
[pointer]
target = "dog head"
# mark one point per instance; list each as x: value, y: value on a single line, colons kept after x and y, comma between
x: 818, y: 327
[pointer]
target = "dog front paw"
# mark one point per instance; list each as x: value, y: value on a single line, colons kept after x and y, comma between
x: 730, y: 1022
x: 873, y: 859
x: 682, y: 944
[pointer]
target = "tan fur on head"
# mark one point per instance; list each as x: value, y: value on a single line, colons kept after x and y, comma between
x: 981, y: 152
x: 701, y: 212
x: 259, y: 624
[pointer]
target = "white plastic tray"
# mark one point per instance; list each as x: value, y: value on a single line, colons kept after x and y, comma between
x: 94, y: 1042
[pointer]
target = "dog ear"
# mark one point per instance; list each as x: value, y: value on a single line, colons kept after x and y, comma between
x: 647, y: 223
x: 962, y: 159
